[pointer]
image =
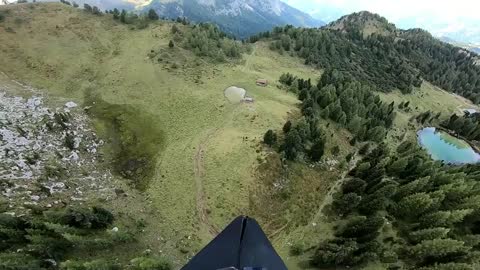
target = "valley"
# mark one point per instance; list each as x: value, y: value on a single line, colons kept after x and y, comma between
x: 182, y: 160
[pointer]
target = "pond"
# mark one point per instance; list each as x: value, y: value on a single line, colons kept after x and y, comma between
x: 442, y: 146
x: 235, y: 94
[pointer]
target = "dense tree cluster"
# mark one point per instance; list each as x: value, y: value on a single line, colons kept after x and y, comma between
x: 65, y: 2
x: 467, y: 125
x: 48, y: 236
x: 449, y: 67
x: 270, y: 138
x: 302, y: 140
x: 341, y: 98
x: 206, y: 39
x: 92, y: 9
x: 140, y: 21
x: 387, y: 58
x: 404, y: 210
x: 152, y: 15
x: 45, y: 239
x: 428, y: 117
x: 372, y: 60
x: 132, y: 18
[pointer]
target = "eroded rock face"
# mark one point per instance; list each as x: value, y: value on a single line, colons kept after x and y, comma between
x: 48, y: 156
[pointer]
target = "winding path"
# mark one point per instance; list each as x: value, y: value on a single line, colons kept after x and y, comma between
x: 329, y: 197
x: 199, y: 171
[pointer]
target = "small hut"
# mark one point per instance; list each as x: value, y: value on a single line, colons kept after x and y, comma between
x: 262, y: 82
x: 248, y: 100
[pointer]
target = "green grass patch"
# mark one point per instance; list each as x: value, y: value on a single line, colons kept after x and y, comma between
x: 135, y: 139
x: 427, y: 98
x: 454, y: 141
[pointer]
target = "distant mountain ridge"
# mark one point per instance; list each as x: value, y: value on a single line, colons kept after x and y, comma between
x: 240, y: 18
x: 369, y: 23
x: 471, y: 47
x: 374, y: 51
x: 365, y: 22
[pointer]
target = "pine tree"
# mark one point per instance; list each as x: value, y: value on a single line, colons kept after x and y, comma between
x: 317, y: 150
x: 444, y: 218
x: 398, y: 166
x: 270, y: 138
x: 345, y: 204
x: 438, y: 249
x: 87, y: 7
x: 414, y: 205
x: 356, y: 185
x: 152, y: 15
x: 123, y: 16
x: 428, y: 234
x: 287, y: 127
x: 116, y: 14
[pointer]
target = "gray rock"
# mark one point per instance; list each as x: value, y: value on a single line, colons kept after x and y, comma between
x: 71, y: 104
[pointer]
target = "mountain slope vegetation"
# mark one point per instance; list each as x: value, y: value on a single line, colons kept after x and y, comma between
x: 374, y: 51
x: 206, y: 150
x: 327, y: 164
x: 396, y: 208
x: 237, y: 18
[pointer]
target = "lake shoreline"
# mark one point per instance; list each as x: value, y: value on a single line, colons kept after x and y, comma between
x: 445, y: 145
x: 458, y: 136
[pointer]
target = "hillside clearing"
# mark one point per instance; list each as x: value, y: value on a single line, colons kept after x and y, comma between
x: 70, y: 53
x: 427, y: 97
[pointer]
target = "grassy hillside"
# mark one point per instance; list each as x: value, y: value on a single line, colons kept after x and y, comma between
x: 209, y: 149
x: 428, y: 97
x: 193, y: 160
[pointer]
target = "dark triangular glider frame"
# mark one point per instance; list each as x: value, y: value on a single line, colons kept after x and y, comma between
x: 242, y: 245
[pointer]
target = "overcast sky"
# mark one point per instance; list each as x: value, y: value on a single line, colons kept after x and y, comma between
x: 438, y: 16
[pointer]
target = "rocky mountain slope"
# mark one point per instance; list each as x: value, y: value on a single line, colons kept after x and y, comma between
x: 239, y: 18
x: 48, y: 156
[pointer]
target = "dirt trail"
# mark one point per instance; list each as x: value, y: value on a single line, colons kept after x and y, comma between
x: 246, y: 66
x: 199, y: 171
x: 329, y: 197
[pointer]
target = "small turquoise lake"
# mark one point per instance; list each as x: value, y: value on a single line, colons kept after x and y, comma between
x: 442, y: 146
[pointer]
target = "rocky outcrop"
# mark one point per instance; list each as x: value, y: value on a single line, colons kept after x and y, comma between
x: 48, y: 156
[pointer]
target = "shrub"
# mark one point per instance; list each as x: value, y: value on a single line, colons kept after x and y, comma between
x: 175, y: 29
x: 335, y: 150
x: 287, y: 127
x: 93, y: 265
x: 87, y: 7
x: 84, y: 218
x: 103, y: 218
x: 297, y: 249
x: 152, y: 15
x: 96, y: 11
x: 101, y: 265
x: 142, y: 23
x: 145, y: 263
x: 270, y: 138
